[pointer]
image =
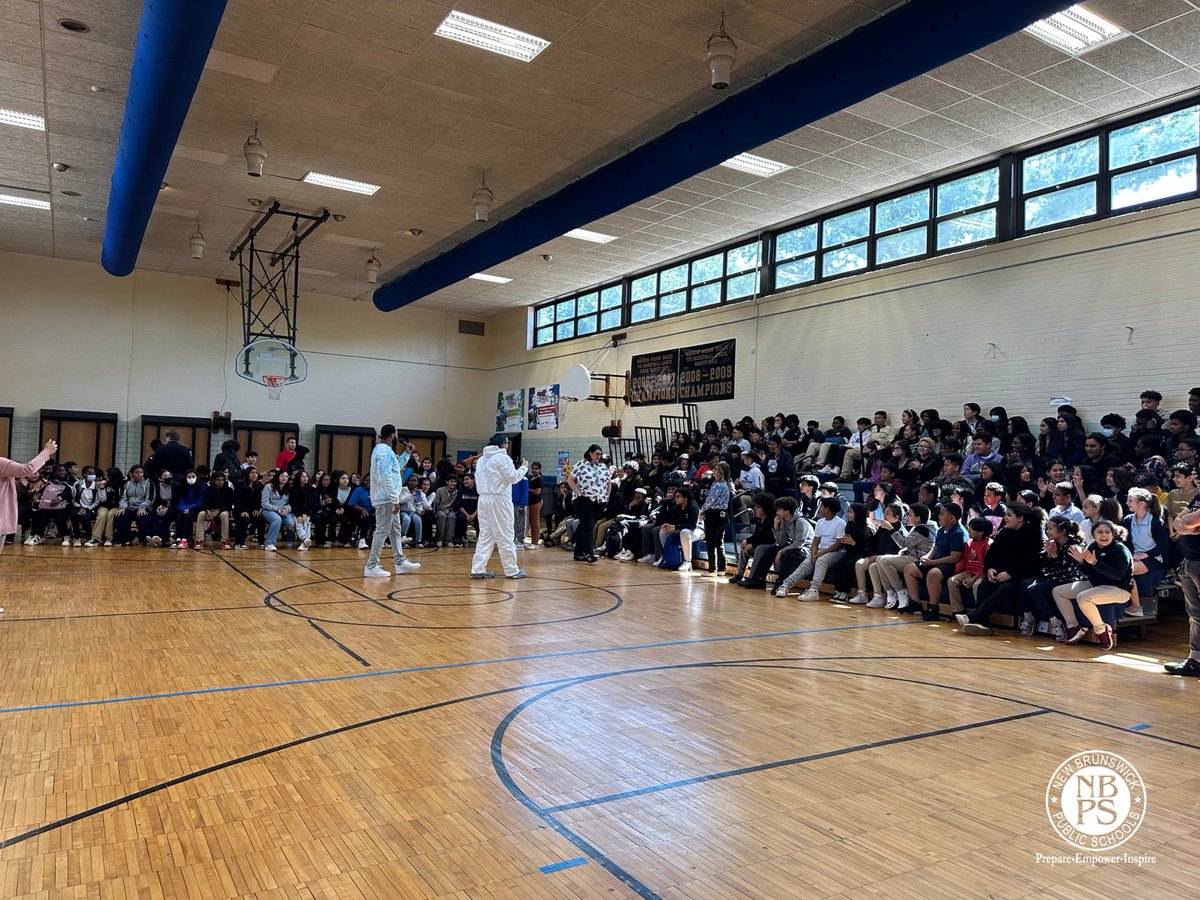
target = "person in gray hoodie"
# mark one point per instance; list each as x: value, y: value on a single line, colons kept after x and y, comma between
x: 135, y: 506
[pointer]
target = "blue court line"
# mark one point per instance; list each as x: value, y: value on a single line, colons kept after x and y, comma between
x: 1141, y: 727
x: 565, y: 864
x: 438, y: 667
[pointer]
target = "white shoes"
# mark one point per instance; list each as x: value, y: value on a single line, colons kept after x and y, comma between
x: 649, y: 557
x: 66, y: 542
x: 892, y: 599
x: 809, y: 595
x: 407, y: 566
x: 780, y: 590
x: 376, y: 572
x: 962, y: 619
x: 306, y: 543
x: 362, y: 545
x: 877, y: 602
x: 859, y: 598
x: 902, y: 599
x: 32, y: 541
x: 686, y: 567
x: 270, y: 548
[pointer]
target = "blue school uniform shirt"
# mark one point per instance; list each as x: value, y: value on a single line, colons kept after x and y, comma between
x: 949, y: 540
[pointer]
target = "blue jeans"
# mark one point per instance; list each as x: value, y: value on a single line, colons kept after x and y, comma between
x: 410, y: 519
x: 275, y: 522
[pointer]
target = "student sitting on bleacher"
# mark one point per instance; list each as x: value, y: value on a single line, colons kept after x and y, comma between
x: 827, y: 551
x: 1013, y: 557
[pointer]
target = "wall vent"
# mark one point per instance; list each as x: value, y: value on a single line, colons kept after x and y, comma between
x: 466, y: 326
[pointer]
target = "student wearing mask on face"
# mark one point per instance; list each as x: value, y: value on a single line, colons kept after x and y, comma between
x: 189, y: 500
x: 89, y: 497
x: 1112, y: 426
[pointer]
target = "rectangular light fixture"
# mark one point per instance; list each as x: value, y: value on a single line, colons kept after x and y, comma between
x: 495, y: 279
x: 1075, y: 30
x: 755, y: 165
x: 582, y: 234
x: 341, y: 184
x: 10, y: 200
x: 489, y: 36
x: 22, y: 120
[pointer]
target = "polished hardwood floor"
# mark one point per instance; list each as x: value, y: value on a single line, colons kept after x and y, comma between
x: 197, y: 724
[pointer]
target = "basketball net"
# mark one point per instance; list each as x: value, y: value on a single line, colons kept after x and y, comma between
x: 563, y: 403
x: 274, y: 385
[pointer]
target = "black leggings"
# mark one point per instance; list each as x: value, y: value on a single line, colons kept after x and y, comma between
x: 714, y: 538
x: 585, y: 511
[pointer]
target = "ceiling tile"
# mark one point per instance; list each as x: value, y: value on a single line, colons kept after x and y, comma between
x: 887, y: 110
x: 1134, y: 16
x: 1132, y: 60
x: 972, y: 73
x: 1078, y: 80
x: 928, y: 93
x: 983, y: 115
x: 1177, y: 38
x: 1030, y: 100
x: 1021, y: 54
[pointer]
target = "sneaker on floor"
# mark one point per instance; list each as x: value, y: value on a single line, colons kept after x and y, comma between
x: 779, y: 591
x: 362, y: 544
x: 1106, y: 638
x: 686, y: 567
x: 1076, y: 633
x: 66, y: 542
x: 1058, y: 629
x: 225, y: 545
x: 1135, y: 613
x: 156, y: 541
x: 92, y: 543
x: 930, y: 614
x: 327, y: 545
x: 892, y: 599
x: 962, y: 619
x: 270, y: 548
x: 199, y: 545
x: 181, y: 544
x: 306, y: 543
x: 520, y: 573
x: 1189, y: 666
x: 108, y: 543
x: 877, y: 602
x: 860, y: 598
x: 649, y: 557
x: 479, y: 576
x: 240, y: 547
x: 976, y: 630
x: 1028, y: 624
x: 376, y: 572
x: 407, y: 566
x: 79, y: 543
x: 809, y: 595
x: 902, y: 599
x: 837, y: 596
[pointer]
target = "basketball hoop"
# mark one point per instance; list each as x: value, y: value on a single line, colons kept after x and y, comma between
x: 563, y: 403
x: 274, y: 385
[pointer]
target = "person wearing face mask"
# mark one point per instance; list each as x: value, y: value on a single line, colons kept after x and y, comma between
x: 89, y: 496
x: 1112, y: 426
x: 162, y: 509
x: 189, y: 500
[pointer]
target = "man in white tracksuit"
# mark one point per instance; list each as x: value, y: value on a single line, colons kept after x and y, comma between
x: 494, y: 477
x: 387, y: 480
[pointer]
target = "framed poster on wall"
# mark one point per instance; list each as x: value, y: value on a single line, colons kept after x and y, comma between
x: 542, y: 409
x: 510, y: 410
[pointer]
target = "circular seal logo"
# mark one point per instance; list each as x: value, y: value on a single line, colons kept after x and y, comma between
x: 1096, y: 800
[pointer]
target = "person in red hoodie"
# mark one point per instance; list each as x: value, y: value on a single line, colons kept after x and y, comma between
x: 287, y: 454
x: 970, y: 567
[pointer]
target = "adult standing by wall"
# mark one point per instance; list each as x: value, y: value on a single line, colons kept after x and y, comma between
x: 387, y: 480
x: 495, y: 476
x: 172, y: 456
x: 590, y: 481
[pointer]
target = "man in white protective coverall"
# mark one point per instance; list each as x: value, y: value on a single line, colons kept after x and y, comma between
x: 494, y: 477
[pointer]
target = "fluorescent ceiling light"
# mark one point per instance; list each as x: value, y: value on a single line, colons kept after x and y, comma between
x: 489, y: 36
x: 22, y: 120
x: 24, y: 201
x: 582, y: 234
x: 1075, y: 30
x: 755, y: 165
x: 495, y: 279
x: 342, y: 184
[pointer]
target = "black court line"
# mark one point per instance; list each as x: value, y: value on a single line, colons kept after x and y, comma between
x: 351, y: 653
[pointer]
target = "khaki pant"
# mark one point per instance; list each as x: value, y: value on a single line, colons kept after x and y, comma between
x: 1088, y: 598
x: 102, y: 528
x: 887, y: 572
x: 202, y: 524
x: 955, y: 584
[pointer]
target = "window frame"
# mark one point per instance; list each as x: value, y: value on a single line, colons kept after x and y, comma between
x: 1100, y: 178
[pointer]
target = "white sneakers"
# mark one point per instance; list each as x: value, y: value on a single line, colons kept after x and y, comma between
x: 376, y: 572
x: 877, y: 602
x: 809, y: 595
x: 362, y: 544
x: 624, y: 555
x: 686, y: 567
x: 902, y: 599
x: 407, y: 566
x: 649, y: 557
x: 305, y: 544
x: 859, y: 598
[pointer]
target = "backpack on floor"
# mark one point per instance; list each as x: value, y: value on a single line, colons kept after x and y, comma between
x: 613, y: 536
x: 672, y: 555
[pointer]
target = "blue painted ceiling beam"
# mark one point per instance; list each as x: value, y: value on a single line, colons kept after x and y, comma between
x: 914, y: 39
x: 173, y: 41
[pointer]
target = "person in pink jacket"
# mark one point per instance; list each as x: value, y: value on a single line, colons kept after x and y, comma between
x: 9, y: 472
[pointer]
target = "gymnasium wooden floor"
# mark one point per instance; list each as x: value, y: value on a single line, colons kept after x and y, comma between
x: 181, y: 724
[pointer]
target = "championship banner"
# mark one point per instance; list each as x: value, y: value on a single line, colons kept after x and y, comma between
x: 654, y: 378
x: 706, y: 372
x: 542, y: 409
x: 510, y: 410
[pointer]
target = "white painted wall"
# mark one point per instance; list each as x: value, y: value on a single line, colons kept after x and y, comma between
x: 1057, y: 307
x: 73, y: 337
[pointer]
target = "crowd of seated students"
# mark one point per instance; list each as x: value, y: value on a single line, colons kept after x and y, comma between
x: 1069, y: 526
x: 236, y: 503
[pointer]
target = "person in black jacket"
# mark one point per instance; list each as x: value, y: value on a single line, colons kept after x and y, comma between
x: 779, y: 468
x: 247, y: 510
x: 218, y: 503
x: 762, y: 536
x: 1107, y: 570
x: 1015, y: 556
x: 171, y: 456
x: 227, y: 461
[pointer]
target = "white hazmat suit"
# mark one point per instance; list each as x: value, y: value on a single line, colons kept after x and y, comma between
x: 495, y: 475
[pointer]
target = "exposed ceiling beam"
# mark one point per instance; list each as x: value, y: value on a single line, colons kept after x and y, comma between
x: 914, y: 39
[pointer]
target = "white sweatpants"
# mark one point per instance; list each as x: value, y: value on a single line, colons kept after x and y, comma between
x: 495, y: 532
